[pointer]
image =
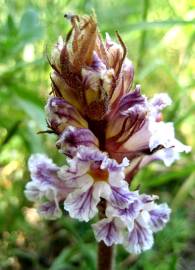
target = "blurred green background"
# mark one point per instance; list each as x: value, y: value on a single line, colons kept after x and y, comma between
x: 160, y: 37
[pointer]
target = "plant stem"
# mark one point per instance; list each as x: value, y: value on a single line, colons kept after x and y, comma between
x: 142, y: 47
x: 105, y: 258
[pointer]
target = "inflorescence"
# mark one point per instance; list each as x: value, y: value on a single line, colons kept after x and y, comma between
x: 108, y: 132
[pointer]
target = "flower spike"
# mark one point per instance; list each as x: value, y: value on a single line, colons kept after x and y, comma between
x: 108, y: 132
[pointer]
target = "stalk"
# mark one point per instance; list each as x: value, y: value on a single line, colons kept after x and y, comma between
x: 105, y: 256
x: 105, y: 259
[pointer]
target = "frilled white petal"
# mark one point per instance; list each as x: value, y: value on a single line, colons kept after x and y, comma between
x: 42, y: 168
x: 116, y: 171
x: 72, y: 179
x: 101, y: 189
x: 161, y: 134
x: 139, y: 239
x: 160, y: 101
x: 159, y: 216
x: 109, y: 230
x: 35, y: 191
x: 32, y: 191
x: 148, y: 201
x: 87, y: 154
x: 128, y: 214
x: 170, y: 155
x: 81, y: 204
x: 44, y: 174
x: 76, y: 169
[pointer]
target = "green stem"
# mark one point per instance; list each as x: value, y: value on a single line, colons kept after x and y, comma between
x: 142, y: 46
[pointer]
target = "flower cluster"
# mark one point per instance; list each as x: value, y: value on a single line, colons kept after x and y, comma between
x: 107, y: 132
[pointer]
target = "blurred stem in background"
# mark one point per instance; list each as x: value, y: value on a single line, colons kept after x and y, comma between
x: 142, y: 46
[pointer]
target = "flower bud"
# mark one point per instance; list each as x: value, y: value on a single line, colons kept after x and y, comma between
x: 61, y: 114
x: 72, y: 138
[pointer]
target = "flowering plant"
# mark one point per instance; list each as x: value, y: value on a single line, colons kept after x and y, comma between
x: 108, y: 132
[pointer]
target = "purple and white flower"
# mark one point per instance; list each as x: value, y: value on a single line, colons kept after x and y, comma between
x: 94, y: 176
x: 46, y: 187
x: 134, y: 225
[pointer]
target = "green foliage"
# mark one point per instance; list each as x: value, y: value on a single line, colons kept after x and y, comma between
x: 160, y: 39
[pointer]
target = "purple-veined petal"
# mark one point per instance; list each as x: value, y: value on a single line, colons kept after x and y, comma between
x: 131, y: 99
x: 50, y: 210
x: 131, y: 212
x: 146, y: 199
x: 128, y: 214
x: 127, y: 133
x: 139, y: 239
x: 121, y: 196
x: 130, y: 144
x: 159, y: 216
x: 116, y: 171
x: 45, y: 172
x: 42, y: 169
x: 148, y: 203
x: 113, y: 166
x: 72, y: 138
x: 81, y: 204
x: 46, y: 182
x: 75, y: 179
x: 108, y: 230
x: 87, y: 154
x: 61, y: 114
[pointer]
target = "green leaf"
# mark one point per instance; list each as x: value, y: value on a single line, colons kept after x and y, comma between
x: 33, y: 111
x: 30, y: 27
x: 184, y: 191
